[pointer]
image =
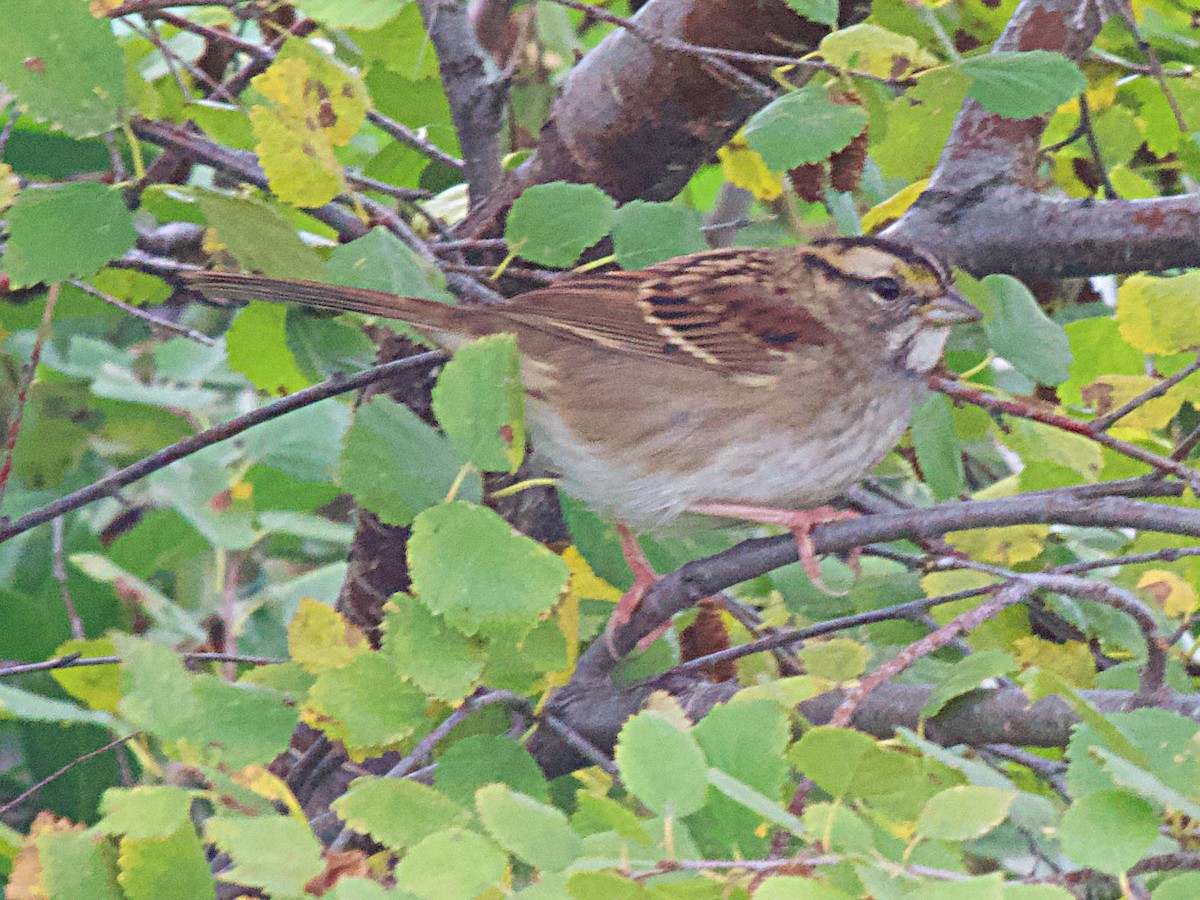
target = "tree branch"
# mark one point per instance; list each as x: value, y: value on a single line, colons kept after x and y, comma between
x: 983, y: 213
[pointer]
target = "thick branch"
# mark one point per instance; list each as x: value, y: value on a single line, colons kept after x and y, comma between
x: 982, y: 211
x: 474, y: 88
x: 1001, y: 716
x: 683, y: 588
x: 637, y: 119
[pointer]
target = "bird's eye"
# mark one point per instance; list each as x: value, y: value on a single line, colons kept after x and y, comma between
x: 886, y: 288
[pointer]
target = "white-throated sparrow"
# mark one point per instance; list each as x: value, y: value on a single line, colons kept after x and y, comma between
x: 743, y: 383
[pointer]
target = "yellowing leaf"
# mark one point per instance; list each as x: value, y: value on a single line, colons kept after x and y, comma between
x: 1174, y: 596
x: 584, y: 584
x: 241, y: 490
x: 1004, y: 546
x: 8, y: 186
x: 668, y: 707
x: 320, y: 639
x: 869, y: 48
x: 883, y: 214
x: 952, y: 581
x: 1072, y: 661
x: 745, y: 168
x: 97, y: 686
x: 839, y: 659
x: 1109, y: 392
x: 295, y: 150
x: 266, y: 784
x: 1160, y: 315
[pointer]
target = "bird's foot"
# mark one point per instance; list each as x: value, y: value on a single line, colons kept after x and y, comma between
x: 800, y: 522
x: 644, y: 578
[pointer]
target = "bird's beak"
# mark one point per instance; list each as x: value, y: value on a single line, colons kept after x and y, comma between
x: 951, y: 308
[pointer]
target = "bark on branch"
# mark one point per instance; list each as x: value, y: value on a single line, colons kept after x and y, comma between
x: 982, y: 210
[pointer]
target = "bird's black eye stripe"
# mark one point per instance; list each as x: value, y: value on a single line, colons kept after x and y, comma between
x: 886, y: 288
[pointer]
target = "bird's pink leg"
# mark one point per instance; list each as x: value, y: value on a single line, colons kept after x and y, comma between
x: 800, y: 522
x: 644, y: 578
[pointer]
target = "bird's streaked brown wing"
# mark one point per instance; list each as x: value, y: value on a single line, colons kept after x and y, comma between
x: 697, y: 311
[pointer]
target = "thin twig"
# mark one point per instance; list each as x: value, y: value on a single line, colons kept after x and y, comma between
x: 145, y: 316
x: 1089, y: 133
x: 1012, y: 593
x: 410, y: 138
x: 957, y: 391
x: 1125, y: 11
x: 25, y: 795
x: 842, y: 623
x: 107, y: 485
x: 78, y: 661
x: 14, y: 426
x: 229, y: 593
x: 60, y: 575
x: 585, y: 747
x: 7, y: 130
x: 1106, y: 421
x: 424, y: 749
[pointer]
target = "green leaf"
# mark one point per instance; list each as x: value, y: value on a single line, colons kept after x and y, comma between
x: 259, y: 237
x: 939, y: 451
x: 964, y: 813
x: 236, y: 724
x: 1021, y: 85
x: 1163, y: 739
x: 467, y: 565
x: 645, y: 233
x: 451, y: 863
x: 793, y: 887
x: 396, y: 465
x: 370, y: 706
x: 1181, y: 887
x: 397, y: 812
x: 258, y: 348
x: 153, y: 868
x: 662, y: 765
x: 77, y: 866
x: 967, y: 675
x: 606, y: 886
x: 71, y: 75
x: 831, y: 756
x: 742, y: 793
x: 483, y: 759
x: 16, y: 703
x: 97, y: 686
x: 277, y: 853
x: 1137, y: 779
x: 1108, y: 830
x: 537, y: 833
x: 479, y: 402
x: 353, y: 13
x: 145, y: 812
x: 440, y: 660
x: 305, y: 444
x: 823, y: 11
x: 803, y: 126
x: 836, y: 659
x: 380, y: 261
x: 65, y: 231
x: 1019, y: 331
x: 746, y: 740
x: 554, y: 223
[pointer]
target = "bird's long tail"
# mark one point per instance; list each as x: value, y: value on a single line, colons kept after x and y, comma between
x: 415, y: 310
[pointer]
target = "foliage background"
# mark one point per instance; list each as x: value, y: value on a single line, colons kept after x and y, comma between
x: 311, y: 656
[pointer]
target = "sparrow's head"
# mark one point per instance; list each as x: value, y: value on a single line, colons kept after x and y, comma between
x: 907, y: 292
